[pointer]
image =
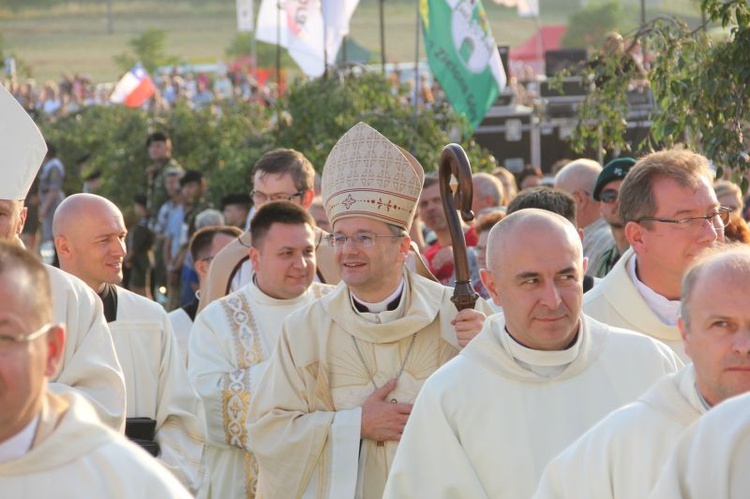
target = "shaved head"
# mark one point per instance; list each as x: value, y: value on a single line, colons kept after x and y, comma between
x: 90, y: 239
x: 715, y: 321
x: 545, y: 222
x: 535, y: 272
x: 580, y: 174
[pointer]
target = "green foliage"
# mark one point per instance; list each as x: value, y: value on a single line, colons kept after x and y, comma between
x: 322, y: 110
x: 224, y: 143
x: 148, y: 49
x: 700, y: 88
x: 242, y: 46
x: 587, y: 26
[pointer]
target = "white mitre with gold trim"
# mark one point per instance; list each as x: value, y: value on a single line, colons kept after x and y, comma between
x: 22, y: 148
x: 366, y: 175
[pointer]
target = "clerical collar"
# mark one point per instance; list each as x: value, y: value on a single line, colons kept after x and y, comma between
x: 390, y: 303
x: 666, y: 310
x: 19, y: 444
x: 108, y: 294
x: 545, y: 363
x: 703, y: 400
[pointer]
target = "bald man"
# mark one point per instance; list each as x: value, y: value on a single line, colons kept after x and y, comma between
x: 578, y: 178
x: 165, y: 415
x: 623, y: 454
x: 534, y: 379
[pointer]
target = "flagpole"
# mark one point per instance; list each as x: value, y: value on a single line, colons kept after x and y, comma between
x: 382, y: 36
x: 278, y: 70
x: 325, y: 45
x: 416, y: 72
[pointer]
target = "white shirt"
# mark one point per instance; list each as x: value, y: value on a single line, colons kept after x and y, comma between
x: 20, y: 443
x: 666, y: 310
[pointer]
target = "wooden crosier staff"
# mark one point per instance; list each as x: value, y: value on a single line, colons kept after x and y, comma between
x: 453, y: 161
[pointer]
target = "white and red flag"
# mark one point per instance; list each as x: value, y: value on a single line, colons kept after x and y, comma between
x: 134, y: 88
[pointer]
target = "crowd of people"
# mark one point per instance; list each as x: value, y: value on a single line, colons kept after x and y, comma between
x: 308, y: 344
x: 51, y: 99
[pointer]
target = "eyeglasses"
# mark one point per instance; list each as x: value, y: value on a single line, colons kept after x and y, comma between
x: 718, y: 219
x: 359, y: 240
x: 608, y: 196
x: 260, y: 198
x: 7, y: 340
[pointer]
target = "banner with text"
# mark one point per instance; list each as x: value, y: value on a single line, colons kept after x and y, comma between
x: 462, y: 55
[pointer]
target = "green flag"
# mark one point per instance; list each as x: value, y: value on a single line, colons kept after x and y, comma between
x: 462, y: 55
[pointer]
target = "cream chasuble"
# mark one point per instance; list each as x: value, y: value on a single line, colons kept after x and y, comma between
x: 307, y: 410
x: 75, y: 456
x: 484, y: 426
x: 616, y: 301
x: 158, y: 386
x: 89, y: 363
x: 622, y: 456
x: 230, y: 343
x: 711, y: 459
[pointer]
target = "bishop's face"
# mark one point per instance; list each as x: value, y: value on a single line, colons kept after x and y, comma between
x: 12, y: 218
x: 373, y: 273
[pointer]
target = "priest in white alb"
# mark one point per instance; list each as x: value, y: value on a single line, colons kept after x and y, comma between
x: 622, y: 456
x: 89, y: 364
x: 536, y: 378
x: 233, y: 337
x: 670, y: 212
x: 165, y: 414
x: 711, y: 459
x: 329, y: 411
x: 55, y: 445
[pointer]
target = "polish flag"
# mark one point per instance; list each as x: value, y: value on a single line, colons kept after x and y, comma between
x: 134, y: 88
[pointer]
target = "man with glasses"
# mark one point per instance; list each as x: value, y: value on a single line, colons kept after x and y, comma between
x: 89, y: 363
x: 330, y: 408
x: 279, y: 175
x: 55, y: 445
x: 671, y: 214
x: 235, y: 335
x: 621, y: 457
x: 606, y: 191
x: 578, y: 178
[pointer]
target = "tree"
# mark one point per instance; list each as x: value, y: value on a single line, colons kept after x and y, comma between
x: 587, y: 27
x: 322, y: 110
x: 700, y: 87
x: 148, y: 49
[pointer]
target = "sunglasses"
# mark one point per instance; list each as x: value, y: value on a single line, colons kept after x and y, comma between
x: 608, y: 196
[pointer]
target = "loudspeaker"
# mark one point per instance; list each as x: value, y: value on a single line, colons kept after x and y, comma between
x: 510, y: 135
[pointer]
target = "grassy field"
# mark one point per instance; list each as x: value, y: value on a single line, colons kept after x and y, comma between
x: 74, y: 38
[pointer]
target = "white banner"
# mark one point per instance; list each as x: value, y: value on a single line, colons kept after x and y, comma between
x: 298, y: 26
x: 245, y: 18
x: 526, y: 8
